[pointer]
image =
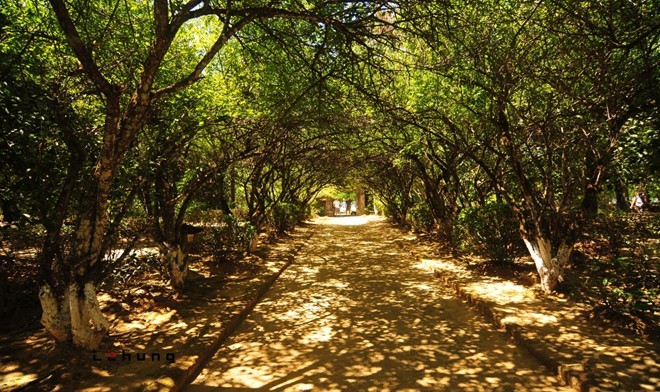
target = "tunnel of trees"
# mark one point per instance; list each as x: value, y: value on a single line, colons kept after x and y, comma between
x: 507, y: 126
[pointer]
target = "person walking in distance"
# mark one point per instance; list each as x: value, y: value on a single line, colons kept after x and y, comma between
x: 640, y: 203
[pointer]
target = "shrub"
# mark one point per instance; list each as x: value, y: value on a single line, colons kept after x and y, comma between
x: 135, y: 267
x: 619, y: 276
x: 491, y: 229
x: 396, y: 212
x: 627, y: 290
x: 233, y: 234
x: 420, y: 217
x: 285, y: 216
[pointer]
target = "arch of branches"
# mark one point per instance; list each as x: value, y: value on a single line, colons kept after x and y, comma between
x: 126, y: 119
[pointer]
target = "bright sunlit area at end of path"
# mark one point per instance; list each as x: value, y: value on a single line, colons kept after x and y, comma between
x: 346, y: 220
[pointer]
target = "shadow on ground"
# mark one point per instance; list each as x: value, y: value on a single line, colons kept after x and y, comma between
x: 356, y: 312
x: 150, y: 319
x: 561, y: 331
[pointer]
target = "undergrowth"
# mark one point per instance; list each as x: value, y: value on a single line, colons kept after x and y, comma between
x: 617, y: 271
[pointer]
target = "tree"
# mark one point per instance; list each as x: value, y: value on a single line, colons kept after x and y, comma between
x: 528, y: 104
x: 612, y: 47
x: 126, y: 96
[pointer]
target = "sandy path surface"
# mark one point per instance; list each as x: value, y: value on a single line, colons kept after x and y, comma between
x: 357, y: 312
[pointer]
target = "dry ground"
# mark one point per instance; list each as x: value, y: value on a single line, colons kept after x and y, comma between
x: 357, y: 311
x: 147, y: 317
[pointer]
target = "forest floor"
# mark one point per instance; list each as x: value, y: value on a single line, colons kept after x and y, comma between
x: 361, y: 307
x: 146, y: 318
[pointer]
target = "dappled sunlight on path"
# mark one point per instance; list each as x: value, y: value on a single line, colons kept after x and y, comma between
x: 560, y: 331
x: 354, y: 312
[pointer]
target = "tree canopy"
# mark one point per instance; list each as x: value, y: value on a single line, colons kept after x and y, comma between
x: 527, y: 115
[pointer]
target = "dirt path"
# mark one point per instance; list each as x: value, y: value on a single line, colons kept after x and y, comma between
x: 357, y: 312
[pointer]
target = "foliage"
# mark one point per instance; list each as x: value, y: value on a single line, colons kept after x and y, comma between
x: 232, y: 235
x: 133, y: 268
x: 285, y: 216
x: 491, y: 229
x: 535, y: 106
x: 259, y: 108
x: 420, y: 217
x: 619, y: 274
x: 638, y: 155
x: 626, y: 289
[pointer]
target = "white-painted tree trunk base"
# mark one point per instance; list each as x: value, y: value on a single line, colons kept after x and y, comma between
x: 549, y: 267
x: 56, y: 315
x: 88, y: 325
x: 75, y: 317
x: 177, y: 265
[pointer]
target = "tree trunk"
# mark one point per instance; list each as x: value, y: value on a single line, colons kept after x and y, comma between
x: 550, y: 267
x: 594, y: 171
x: 254, y: 242
x: 590, y: 201
x: 621, y: 192
x: 446, y: 231
x: 56, y: 314
x: 361, y: 201
x: 232, y: 186
x: 176, y: 261
x: 76, y: 316
x: 4, y: 282
x: 88, y: 326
